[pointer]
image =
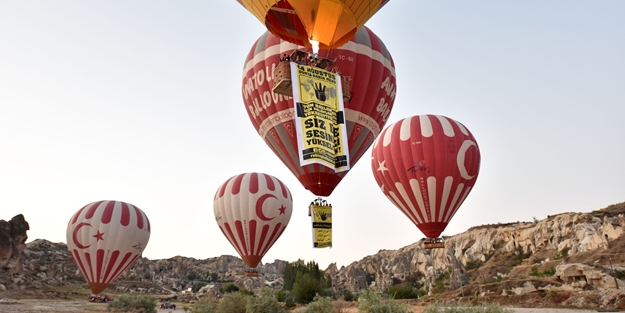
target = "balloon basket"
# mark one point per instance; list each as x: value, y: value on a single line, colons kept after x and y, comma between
x: 282, y: 73
x: 282, y: 79
x: 434, y: 243
x: 251, y: 273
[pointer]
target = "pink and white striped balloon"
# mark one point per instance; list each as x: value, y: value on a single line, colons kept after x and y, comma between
x: 426, y: 165
x: 252, y: 211
x: 104, y: 238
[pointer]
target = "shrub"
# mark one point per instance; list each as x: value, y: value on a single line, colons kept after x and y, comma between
x: 372, y: 302
x: 349, y: 296
x: 305, y: 288
x: 473, y: 264
x: 320, y: 305
x: 229, y: 288
x: 441, y: 282
x: 548, y: 272
x: 234, y: 302
x: 342, y: 306
x: 281, y: 296
x: 402, y: 292
x: 453, y: 308
x: 197, y: 286
x: 205, y: 305
x: 245, y: 291
x: 133, y: 302
x: 562, y: 254
x: 414, y: 278
x: 265, y: 302
x: 290, y: 303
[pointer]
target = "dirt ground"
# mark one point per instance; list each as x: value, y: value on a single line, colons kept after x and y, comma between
x: 61, y: 306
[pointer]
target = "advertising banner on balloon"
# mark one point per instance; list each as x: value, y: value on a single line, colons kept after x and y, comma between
x: 320, y: 117
x: 321, y: 216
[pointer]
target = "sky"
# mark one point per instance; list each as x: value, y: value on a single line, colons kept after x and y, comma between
x: 140, y: 101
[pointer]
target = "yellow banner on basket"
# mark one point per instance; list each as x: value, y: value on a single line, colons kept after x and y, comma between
x: 321, y: 216
x: 320, y: 117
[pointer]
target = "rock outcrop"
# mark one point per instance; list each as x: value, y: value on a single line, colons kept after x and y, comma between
x: 12, y: 243
x: 492, y: 253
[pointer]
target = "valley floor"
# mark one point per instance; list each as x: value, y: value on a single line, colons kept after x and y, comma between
x: 58, y: 306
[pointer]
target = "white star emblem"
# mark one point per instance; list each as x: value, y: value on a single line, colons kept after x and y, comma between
x: 382, y: 167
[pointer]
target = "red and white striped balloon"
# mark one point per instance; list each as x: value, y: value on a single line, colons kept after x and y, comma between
x: 252, y: 210
x: 104, y: 238
x: 426, y: 165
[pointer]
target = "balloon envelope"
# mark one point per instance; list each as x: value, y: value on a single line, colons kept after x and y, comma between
x: 104, y: 238
x: 252, y: 210
x: 330, y: 22
x: 426, y: 165
x: 364, y: 60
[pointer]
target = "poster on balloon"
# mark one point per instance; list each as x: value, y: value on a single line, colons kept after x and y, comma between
x: 320, y: 117
x: 321, y: 216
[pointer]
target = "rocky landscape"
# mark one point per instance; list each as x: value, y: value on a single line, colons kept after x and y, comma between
x: 569, y: 260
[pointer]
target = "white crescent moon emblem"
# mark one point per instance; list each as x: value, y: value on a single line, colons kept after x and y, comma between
x: 259, y: 206
x: 462, y: 153
x: 76, y: 242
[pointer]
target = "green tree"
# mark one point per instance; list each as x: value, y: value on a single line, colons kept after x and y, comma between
x: 294, y: 269
x: 212, y: 277
x: 306, y: 287
x: 290, y: 273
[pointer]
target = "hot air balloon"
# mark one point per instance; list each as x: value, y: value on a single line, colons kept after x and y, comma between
x: 426, y: 165
x: 330, y: 23
x: 104, y: 238
x: 252, y: 210
x: 364, y: 60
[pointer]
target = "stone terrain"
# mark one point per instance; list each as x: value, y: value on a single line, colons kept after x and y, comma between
x: 565, y: 260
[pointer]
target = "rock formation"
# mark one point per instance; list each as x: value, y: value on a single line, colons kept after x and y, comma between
x: 492, y: 253
x: 12, y: 242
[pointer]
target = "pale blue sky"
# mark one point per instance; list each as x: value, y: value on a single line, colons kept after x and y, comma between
x: 140, y: 101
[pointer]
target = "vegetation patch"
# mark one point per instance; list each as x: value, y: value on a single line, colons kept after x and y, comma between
x: 441, y: 283
x: 453, y: 308
x: 373, y: 302
x: 130, y: 303
x: 545, y: 273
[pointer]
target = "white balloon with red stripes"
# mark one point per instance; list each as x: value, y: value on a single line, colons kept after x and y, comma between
x: 426, y: 165
x: 252, y: 211
x: 104, y: 238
